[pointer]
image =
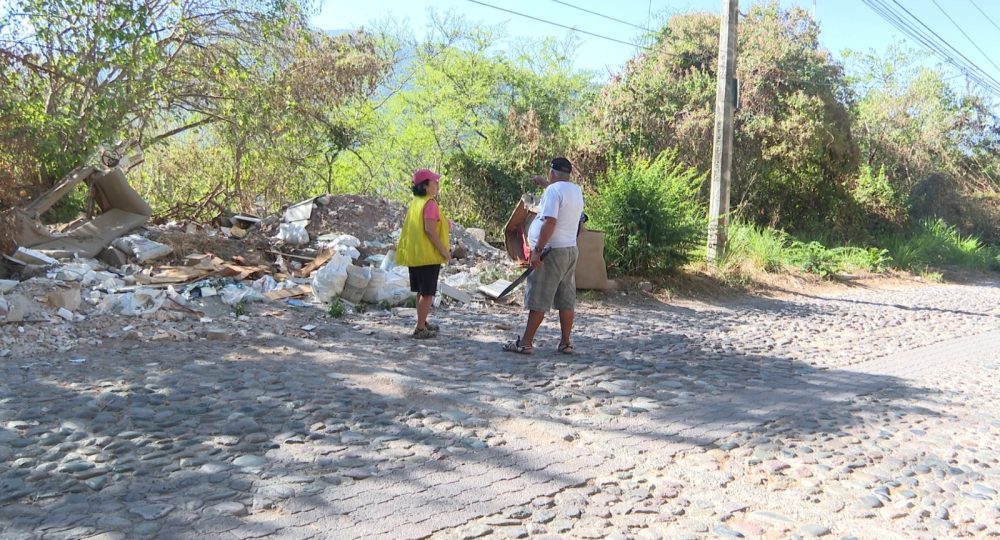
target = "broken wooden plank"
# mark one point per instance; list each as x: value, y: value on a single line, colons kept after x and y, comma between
x: 320, y: 260
x: 281, y: 294
x: 290, y: 256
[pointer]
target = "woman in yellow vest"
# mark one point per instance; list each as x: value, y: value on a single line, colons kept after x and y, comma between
x: 423, y: 246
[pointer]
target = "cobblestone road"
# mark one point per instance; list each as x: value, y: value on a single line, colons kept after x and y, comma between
x: 867, y: 414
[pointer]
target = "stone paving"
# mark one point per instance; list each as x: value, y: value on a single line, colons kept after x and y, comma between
x: 865, y: 414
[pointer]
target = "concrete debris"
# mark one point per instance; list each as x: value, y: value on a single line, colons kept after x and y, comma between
x: 32, y: 257
x: 65, y: 297
x: 494, y: 289
x: 18, y: 308
x: 142, y: 249
x: 113, y: 257
x: 454, y: 293
x: 237, y: 276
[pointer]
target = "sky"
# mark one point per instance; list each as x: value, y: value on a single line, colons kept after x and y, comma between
x: 843, y: 23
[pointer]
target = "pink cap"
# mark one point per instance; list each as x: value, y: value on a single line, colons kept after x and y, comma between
x: 423, y: 175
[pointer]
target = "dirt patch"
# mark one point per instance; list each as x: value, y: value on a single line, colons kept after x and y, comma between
x: 367, y: 218
x: 253, y: 248
x: 699, y: 284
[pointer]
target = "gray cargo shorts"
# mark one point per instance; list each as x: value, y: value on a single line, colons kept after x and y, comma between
x: 554, y: 284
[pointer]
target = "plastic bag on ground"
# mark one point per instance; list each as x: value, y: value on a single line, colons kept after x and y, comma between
x: 142, y: 248
x: 233, y: 294
x: 462, y: 280
x: 142, y: 302
x: 391, y: 287
x: 389, y: 261
x: 375, y: 285
x: 293, y: 233
x: 351, y: 252
x: 356, y: 283
x: 328, y: 282
x: 344, y: 244
x: 345, y: 240
x: 266, y: 284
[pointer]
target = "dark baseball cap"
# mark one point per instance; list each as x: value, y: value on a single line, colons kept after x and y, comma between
x: 562, y: 164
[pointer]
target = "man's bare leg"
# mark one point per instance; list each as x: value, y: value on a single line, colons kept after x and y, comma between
x: 566, y: 325
x: 535, y: 319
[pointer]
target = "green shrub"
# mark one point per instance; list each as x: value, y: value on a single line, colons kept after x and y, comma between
x: 875, y: 193
x: 814, y: 258
x: 868, y: 259
x: 240, y: 308
x: 649, y: 212
x: 763, y: 247
x: 935, y: 243
x: 337, y: 309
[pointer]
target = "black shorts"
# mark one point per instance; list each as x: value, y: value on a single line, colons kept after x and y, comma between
x: 424, y: 279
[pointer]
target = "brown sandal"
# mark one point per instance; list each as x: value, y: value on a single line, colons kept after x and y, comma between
x: 517, y: 347
x: 565, y: 348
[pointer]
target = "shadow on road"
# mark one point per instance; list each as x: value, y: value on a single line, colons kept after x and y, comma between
x: 184, y: 441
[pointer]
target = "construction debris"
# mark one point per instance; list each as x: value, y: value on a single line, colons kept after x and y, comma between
x: 187, y: 281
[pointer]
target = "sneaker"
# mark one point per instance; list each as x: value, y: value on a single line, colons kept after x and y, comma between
x: 423, y: 333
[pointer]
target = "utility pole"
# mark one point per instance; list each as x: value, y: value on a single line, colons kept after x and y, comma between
x: 722, y: 148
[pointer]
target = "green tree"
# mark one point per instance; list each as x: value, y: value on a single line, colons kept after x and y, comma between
x: 912, y: 122
x: 793, y: 147
x: 486, y: 116
x: 283, y: 115
x: 939, y: 150
x: 649, y: 212
x: 75, y: 75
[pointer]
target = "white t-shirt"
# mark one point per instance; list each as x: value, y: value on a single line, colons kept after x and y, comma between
x: 563, y: 201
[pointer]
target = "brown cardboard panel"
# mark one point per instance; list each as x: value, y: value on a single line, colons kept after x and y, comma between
x: 91, y: 238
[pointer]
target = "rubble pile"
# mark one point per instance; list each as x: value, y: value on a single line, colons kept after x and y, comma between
x: 239, y: 275
x: 111, y: 274
x: 369, y: 218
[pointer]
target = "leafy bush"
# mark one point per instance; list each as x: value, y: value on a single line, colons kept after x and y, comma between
x: 771, y: 250
x: 649, y: 212
x: 814, y: 258
x: 936, y: 243
x: 480, y: 192
x: 876, y: 197
x: 337, y: 309
x: 869, y: 259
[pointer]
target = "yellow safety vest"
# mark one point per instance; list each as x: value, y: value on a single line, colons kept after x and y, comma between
x: 415, y: 247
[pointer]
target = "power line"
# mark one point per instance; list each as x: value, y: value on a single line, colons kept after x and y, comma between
x: 898, y: 21
x: 995, y: 25
x: 608, y: 17
x: 933, y: 42
x: 560, y: 25
x: 988, y: 59
x: 969, y: 63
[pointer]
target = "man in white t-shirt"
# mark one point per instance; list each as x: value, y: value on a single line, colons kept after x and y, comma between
x: 553, y: 281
